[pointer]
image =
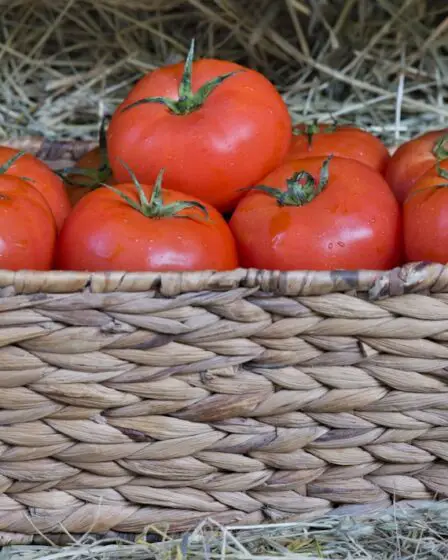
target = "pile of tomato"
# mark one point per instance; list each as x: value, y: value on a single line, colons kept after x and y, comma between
x: 201, y: 168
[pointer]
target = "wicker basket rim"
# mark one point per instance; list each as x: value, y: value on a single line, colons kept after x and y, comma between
x: 411, y: 278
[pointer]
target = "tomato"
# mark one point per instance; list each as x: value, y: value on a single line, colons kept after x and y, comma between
x: 42, y: 178
x: 425, y: 217
x: 215, y: 126
x: 92, y: 172
x: 317, y: 214
x: 320, y: 140
x: 122, y: 230
x: 27, y: 226
x: 412, y: 159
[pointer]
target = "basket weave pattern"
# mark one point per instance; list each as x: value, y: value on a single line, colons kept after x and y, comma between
x: 130, y: 400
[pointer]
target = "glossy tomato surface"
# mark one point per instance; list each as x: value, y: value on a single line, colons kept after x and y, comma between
x: 103, y: 233
x: 412, y: 159
x: 354, y: 223
x: 341, y: 141
x: 240, y: 133
x: 27, y: 227
x: 425, y: 214
x: 42, y: 178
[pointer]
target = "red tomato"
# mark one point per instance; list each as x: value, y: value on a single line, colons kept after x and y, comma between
x: 27, y: 227
x: 336, y: 215
x: 105, y: 232
x: 93, y: 173
x: 412, y: 159
x: 42, y: 178
x: 321, y: 140
x: 219, y: 133
x: 425, y: 217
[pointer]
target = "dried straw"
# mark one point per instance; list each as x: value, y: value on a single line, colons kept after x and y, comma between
x: 382, y: 64
x: 413, y: 530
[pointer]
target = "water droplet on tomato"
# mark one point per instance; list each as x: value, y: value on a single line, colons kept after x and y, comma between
x: 341, y: 244
x: 330, y: 245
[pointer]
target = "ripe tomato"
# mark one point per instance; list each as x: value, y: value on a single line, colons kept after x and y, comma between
x: 321, y: 140
x: 122, y: 230
x: 318, y: 214
x: 41, y: 177
x: 215, y: 126
x: 91, y: 172
x: 27, y: 226
x: 425, y: 217
x: 412, y: 159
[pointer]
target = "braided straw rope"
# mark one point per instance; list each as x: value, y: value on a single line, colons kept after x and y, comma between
x: 130, y: 400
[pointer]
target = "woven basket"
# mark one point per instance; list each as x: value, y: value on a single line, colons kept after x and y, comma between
x: 134, y: 400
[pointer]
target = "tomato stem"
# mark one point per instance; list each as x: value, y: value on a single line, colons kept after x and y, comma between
x: 442, y: 173
x: 187, y: 76
x: 309, y: 130
x: 11, y: 161
x: 155, y: 208
x: 440, y: 149
x: 104, y: 167
x: 301, y: 189
x: 96, y: 177
x: 187, y: 101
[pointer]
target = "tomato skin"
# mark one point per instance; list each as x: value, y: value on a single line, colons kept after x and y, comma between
x: 27, y: 227
x: 425, y: 218
x: 42, y: 178
x: 105, y: 233
x: 410, y: 161
x: 90, y: 160
x: 342, y: 141
x: 241, y: 133
x: 354, y: 223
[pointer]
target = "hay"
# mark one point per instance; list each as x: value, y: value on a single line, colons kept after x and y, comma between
x: 382, y: 64
x: 416, y: 531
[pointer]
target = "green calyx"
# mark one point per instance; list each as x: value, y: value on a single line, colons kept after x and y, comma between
x: 154, y: 207
x: 91, y: 178
x: 442, y: 173
x: 187, y: 101
x: 302, y: 188
x: 440, y: 149
x: 6, y: 166
x: 314, y: 128
x: 11, y: 161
